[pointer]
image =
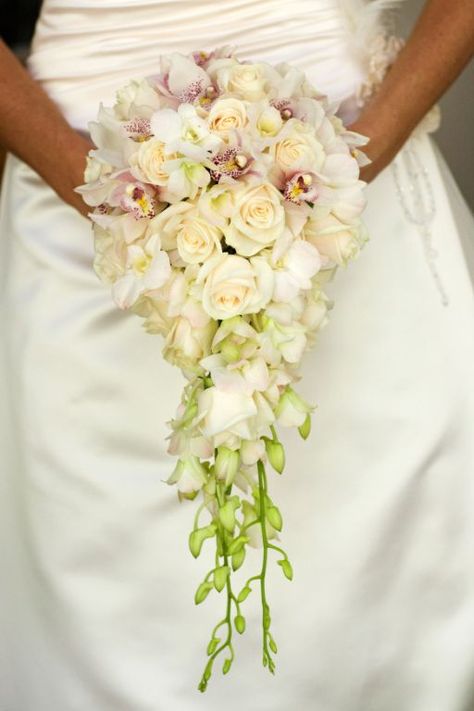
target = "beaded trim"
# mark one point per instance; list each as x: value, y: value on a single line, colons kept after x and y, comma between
x: 417, y: 199
x: 412, y: 180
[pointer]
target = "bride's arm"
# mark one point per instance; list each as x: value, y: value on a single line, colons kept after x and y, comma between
x: 33, y: 128
x: 438, y: 49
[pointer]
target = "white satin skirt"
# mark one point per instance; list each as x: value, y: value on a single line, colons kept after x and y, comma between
x: 97, y: 608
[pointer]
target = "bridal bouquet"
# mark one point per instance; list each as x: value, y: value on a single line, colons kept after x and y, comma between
x: 225, y: 195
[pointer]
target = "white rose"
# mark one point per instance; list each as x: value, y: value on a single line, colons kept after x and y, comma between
x: 234, y: 285
x: 169, y: 221
x: 247, y: 81
x: 221, y: 411
x: 336, y: 240
x: 299, y: 150
x: 197, y: 240
x: 150, y: 158
x: 185, y: 345
x: 227, y: 115
x: 136, y: 93
x: 257, y: 221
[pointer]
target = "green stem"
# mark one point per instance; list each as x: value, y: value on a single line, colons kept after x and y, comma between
x: 262, y: 486
x: 198, y: 512
x: 220, y: 495
x: 280, y: 550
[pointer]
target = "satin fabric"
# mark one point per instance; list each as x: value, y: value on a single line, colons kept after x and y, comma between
x: 97, y: 595
x: 82, y: 52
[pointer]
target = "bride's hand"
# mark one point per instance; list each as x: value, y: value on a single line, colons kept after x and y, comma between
x: 69, y: 173
x: 380, y: 149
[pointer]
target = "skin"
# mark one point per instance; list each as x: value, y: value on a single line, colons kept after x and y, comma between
x: 440, y: 46
x: 442, y: 42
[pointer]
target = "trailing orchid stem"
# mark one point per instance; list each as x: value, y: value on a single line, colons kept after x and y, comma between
x: 262, y: 486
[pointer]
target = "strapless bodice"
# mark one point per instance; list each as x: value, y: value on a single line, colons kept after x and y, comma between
x: 83, y: 50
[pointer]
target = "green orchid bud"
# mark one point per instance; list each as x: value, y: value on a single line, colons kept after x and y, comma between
x: 239, y: 623
x: 291, y: 409
x: 274, y: 518
x: 244, y: 593
x: 220, y: 577
x: 286, y: 567
x: 226, y: 465
x: 305, y: 428
x: 275, y: 453
x: 198, y: 536
x: 229, y: 350
x: 237, y: 544
x: 212, y: 646
x: 227, y: 665
x: 238, y: 559
x: 210, y: 486
x: 202, y: 592
x: 227, y: 516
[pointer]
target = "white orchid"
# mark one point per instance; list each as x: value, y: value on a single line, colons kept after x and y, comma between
x: 294, y: 271
x: 147, y: 268
x: 184, y: 131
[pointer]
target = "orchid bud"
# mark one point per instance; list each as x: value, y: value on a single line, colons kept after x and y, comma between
x: 237, y: 544
x: 276, y: 454
x: 239, y: 623
x: 227, y: 464
x: 227, y: 515
x: 291, y: 409
x: 202, y: 592
x: 220, y: 577
x: 274, y: 517
x: 305, y: 428
x: 286, y: 567
x: 229, y: 350
x: 198, y: 536
x: 238, y: 559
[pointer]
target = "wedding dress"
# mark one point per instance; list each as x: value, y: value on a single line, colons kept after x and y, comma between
x: 96, y: 600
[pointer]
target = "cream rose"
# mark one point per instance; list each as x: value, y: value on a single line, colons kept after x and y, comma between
x: 299, y: 150
x: 169, y: 222
x: 185, y: 344
x: 135, y: 93
x: 247, y: 81
x: 233, y: 285
x: 227, y: 115
x: 257, y: 221
x: 336, y: 240
x: 197, y: 240
x: 150, y: 158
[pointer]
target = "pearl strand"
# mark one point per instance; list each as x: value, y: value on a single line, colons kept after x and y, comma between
x: 418, y: 204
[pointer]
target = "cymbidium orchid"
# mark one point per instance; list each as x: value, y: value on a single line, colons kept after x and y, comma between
x: 224, y: 197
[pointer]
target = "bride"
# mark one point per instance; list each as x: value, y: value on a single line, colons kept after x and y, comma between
x: 97, y: 583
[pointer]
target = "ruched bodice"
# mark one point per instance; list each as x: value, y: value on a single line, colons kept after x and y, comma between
x: 83, y: 50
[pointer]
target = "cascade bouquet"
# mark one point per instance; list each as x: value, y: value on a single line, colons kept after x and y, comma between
x: 225, y: 195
